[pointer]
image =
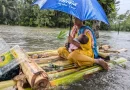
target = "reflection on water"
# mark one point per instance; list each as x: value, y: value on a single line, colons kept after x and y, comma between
x: 36, y: 39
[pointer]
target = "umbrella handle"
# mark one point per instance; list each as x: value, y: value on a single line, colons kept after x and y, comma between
x: 70, y: 24
x: 70, y: 29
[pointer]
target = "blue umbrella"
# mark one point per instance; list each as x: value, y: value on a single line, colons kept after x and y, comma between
x: 82, y: 9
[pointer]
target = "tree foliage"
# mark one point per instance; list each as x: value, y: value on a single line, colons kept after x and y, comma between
x: 8, y: 11
x: 109, y: 5
x: 120, y: 22
x: 22, y: 12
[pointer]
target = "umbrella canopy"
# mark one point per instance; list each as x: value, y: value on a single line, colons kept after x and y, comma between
x: 82, y: 9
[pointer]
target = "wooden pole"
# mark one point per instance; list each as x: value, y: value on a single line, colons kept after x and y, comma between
x: 5, y: 84
x: 35, y: 75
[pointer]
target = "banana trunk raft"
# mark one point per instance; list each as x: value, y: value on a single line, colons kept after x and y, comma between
x: 45, y: 69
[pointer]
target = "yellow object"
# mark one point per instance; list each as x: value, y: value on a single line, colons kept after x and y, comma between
x: 8, y: 57
x: 84, y: 56
x: 63, y: 52
x: 14, y: 53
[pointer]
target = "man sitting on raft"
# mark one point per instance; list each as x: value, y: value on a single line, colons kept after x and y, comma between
x: 86, y: 54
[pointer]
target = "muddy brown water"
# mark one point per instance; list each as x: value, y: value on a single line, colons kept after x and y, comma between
x: 37, y: 39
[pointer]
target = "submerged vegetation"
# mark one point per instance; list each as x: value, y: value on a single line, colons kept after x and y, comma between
x: 62, y: 34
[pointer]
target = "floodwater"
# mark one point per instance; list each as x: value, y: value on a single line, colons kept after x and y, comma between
x: 37, y: 39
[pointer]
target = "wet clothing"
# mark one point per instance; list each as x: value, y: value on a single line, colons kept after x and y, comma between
x: 72, y: 47
x: 83, y: 56
x: 87, y: 29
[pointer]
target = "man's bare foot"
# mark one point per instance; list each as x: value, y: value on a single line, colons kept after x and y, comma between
x: 103, y: 63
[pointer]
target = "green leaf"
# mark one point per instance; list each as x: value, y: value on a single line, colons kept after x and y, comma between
x: 62, y: 34
x: 103, y: 1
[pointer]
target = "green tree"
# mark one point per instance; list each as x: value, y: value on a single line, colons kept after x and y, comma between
x: 119, y: 22
x: 22, y: 12
x: 8, y: 9
x: 124, y: 21
x: 109, y: 7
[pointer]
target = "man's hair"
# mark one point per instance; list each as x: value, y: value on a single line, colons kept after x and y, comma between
x: 84, y: 39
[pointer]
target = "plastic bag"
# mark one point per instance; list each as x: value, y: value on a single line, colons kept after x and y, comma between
x: 11, y: 59
x: 4, y: 47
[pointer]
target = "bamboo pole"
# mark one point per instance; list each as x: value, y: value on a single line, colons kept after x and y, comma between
x: 55, y: 75
x: 53, y: 56
x: 57, y: 66
x: 46, y: 60
x: 10, y: 83
x: 34, y: 74
x: 104, y: 55
x: 55, y: 53
x: 57, y: 63
x: 79, y: 75
x: 66, y: 80
x: 5, y: 84
x: 19, y: 86
x: 45, y: 51
x: 60, y: 74
x: 27, y: 89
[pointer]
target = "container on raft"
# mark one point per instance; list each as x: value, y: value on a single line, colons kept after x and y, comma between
x: 61, y: 71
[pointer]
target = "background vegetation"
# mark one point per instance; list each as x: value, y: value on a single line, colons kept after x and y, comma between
x: 21, y: 12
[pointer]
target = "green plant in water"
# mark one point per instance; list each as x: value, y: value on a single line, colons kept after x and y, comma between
x: 62, y: 34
